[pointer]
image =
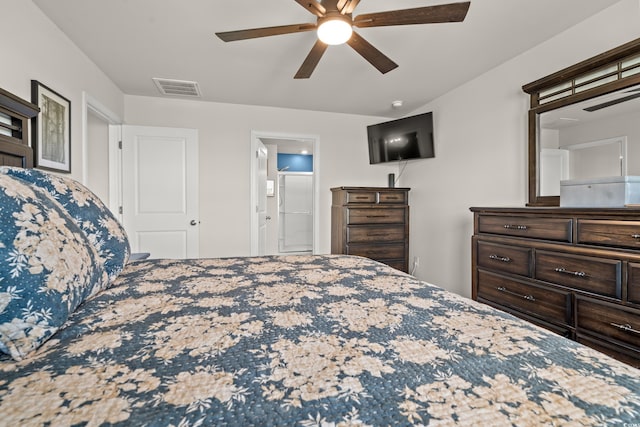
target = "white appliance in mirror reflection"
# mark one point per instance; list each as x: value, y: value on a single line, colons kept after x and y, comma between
x: 295, y: 212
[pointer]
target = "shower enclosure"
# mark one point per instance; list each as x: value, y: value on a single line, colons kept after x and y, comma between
x: 295, y: 212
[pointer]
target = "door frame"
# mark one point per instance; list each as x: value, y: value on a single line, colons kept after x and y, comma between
x: 255, y: 137
x: 91, y: 104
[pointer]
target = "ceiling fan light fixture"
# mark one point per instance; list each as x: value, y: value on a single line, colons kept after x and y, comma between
x: 335, y: 30
x: 335, y: 22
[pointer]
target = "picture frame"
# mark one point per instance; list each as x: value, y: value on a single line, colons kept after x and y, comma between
x: 51, y: 129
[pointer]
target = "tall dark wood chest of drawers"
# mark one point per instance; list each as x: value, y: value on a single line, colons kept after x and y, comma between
x: 573, y: 271
x: 371, y: 222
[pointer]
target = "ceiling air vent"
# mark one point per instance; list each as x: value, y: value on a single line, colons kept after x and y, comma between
x: 172, y: 87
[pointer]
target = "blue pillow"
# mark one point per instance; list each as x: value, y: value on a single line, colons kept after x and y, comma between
x: 47, y: 267
x: 88, y: 211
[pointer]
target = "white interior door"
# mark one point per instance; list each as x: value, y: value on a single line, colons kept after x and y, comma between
x: 261, y: 191
x: 160, y: 190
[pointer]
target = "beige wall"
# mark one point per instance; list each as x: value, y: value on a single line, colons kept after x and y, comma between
x: 480, y: 145
x: 34, y: 48
x: 480, y: 136
x: 44, y: 53
x: 225, y: 142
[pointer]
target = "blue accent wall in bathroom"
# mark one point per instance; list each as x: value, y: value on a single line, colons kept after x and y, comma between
x: 295, y: 162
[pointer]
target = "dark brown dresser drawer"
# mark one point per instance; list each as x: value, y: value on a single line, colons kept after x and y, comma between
x: 537, y: 300
x: 610, y: 320
x: 371, y: 222
x: 564, y: 330
x: 361, y: 197
x: 398, y: 264
x: 610, y: 233
x: 633, y: 283
x: 590, y: 274
x: 558, y: 229
x: 378, y: 252
x: 591, y: 256
x: 375, y: 216
x: 508, y: 259
x: 384, y: 197
x: 365, y: 234
x: 627, y: 354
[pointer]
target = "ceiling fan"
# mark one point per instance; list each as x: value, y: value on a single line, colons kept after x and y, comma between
x: 334, y: 26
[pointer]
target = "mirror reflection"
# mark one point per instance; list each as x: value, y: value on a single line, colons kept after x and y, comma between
x: 596, y: 138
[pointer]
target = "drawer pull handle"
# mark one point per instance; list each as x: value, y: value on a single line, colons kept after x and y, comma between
x: 500, y: 258
x: 571, y: 273
x: 635, y: 236
x: 376, y: 216
x: 507, y: 291
x: 515, y: 227
x: 626, y: 327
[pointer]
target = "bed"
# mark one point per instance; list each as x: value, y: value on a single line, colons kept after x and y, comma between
x: 92, y: 338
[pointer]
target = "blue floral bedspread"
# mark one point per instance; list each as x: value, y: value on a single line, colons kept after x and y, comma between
x: 305, y: 341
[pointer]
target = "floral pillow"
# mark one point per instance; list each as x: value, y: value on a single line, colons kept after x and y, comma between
x: 88, y: 211
x: 47, y: 267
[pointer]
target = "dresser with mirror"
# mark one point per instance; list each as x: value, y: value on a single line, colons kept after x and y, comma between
x: 572, y: 268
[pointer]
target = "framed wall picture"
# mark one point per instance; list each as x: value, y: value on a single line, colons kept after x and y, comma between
x: 51, y: 129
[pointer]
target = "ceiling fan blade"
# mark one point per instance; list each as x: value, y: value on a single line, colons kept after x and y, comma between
x: 229, y: 36
x: 453, y: 12
x: 313, y: 6
x: 346, y: 6
x: 612, y: 102
x: 371, y: 54
x: 312, y: 59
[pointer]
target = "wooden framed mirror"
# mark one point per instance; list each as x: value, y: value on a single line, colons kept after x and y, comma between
x: 591, y: 104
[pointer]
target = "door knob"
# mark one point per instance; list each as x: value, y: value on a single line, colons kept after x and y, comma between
x: 267, y: 218
x: 194, y: 222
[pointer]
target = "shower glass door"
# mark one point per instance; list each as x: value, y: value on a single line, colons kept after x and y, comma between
x: 295, y: 232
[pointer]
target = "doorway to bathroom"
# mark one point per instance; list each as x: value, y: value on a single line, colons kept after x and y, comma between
x: 291, y: 195
x: 295, y: 211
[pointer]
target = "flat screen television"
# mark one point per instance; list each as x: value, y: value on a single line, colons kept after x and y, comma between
x: 403, y: 139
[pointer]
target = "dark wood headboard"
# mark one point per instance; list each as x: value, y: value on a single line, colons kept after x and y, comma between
x: 15, y: 113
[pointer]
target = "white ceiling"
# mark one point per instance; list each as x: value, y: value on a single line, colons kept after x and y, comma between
x: 133, y: 41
